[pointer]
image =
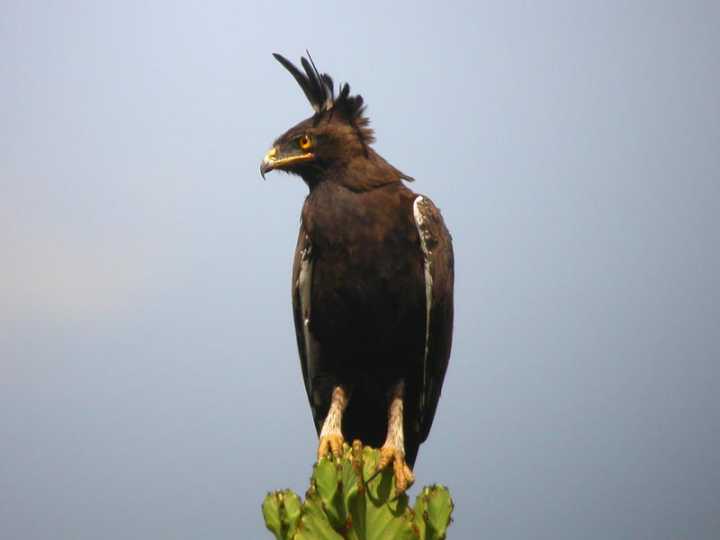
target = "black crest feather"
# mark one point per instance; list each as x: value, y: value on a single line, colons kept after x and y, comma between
x: 319, y: 90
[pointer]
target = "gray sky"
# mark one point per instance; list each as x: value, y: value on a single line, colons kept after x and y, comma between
x: 149, y: 382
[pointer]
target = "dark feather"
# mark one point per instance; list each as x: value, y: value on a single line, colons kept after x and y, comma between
x: 329, y: 83
x: 317, y: 88
x: 314, y: 81
x: 299, y: 77
x: 324, y: 78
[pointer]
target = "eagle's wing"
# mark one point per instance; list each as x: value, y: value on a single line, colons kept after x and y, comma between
x: 436, y: 245
x: 307, y: 345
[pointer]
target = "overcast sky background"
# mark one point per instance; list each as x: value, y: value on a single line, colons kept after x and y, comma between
x: 149, y: 381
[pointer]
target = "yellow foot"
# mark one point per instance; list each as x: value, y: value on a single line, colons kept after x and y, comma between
x: 330, y: 444
x: 404, y: 477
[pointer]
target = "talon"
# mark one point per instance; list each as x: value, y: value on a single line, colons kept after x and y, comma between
x: 387, y: 453
x: 330, y: 444
x: 331, y: 438
x: 336, y: 445
x: 403, y: 475
x: 393, y: 451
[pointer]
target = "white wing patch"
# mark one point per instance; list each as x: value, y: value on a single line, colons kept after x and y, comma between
x: 424, y: 235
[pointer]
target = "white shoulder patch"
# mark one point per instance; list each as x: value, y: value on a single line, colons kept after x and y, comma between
x: 423, y: 233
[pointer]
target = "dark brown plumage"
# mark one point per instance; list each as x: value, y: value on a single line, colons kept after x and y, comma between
x: 372, y: 282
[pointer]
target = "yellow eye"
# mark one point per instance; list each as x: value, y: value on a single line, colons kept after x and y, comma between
x: 305, y: 142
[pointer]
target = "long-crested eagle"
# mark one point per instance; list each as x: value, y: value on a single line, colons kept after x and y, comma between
x: 372, y: 282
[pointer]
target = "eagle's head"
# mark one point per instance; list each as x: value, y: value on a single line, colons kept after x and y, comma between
x: 334, y: 143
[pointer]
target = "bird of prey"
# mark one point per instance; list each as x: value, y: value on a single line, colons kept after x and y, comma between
x: 372, y: 282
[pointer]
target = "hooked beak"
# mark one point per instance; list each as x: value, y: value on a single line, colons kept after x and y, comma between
x: 267, y: 164
x: 273, y: 161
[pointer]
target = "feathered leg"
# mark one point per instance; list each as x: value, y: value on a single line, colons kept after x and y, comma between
x: 394, y: 448
x: 331, y: 437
